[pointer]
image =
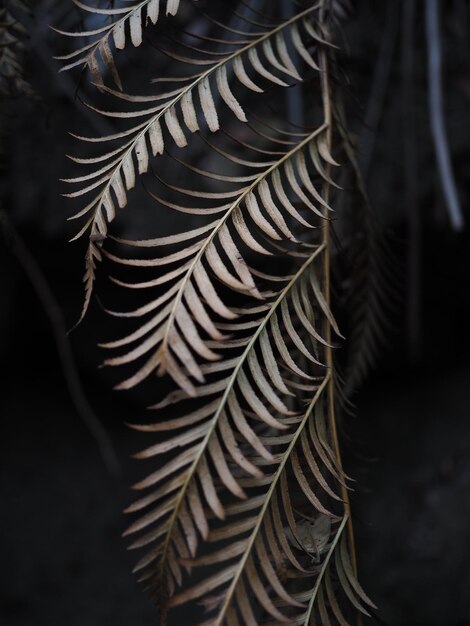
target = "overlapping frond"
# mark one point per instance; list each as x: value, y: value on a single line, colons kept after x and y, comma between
x: 226, y: 467
x: 181, y: 325
x: 113, y: 174
x: 248, y: 486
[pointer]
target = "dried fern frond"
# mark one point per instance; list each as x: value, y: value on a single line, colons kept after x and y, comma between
x: 182, y: 325
x: 244, y: 444
x: 245, y: 510
x: 114, y: 173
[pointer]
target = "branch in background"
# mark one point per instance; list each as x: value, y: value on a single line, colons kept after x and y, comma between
x: 53, y: 313
x: 380, y: 82
x: 414, y: 221
x: 436, y: 112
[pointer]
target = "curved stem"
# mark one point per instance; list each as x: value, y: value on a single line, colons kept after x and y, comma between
x: 329, y: 351
x: 436, y: 111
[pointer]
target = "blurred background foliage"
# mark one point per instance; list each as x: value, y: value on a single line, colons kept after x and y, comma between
x: 408, y: 443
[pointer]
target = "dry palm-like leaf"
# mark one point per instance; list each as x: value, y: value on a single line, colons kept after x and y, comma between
x: 180, y: 326
x: 237, y: 445
x: 125, y: 22
x: 247, y: 486
x: 266, y: 56
x: 224, y: 479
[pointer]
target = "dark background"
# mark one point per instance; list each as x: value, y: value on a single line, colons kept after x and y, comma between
x: 408, y: 444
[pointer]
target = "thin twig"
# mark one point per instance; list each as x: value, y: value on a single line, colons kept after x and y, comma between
x: 436, y: 112
x: 378, y: 92
x: 329, y: 353
x: 40, y: 285
x: 413, y: 213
